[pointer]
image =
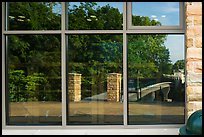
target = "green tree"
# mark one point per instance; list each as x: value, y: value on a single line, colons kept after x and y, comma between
x: 179, y: 64
x: 147, y: 56
x: 36, y: 54
x: 90, y: 16
x: 92, y: 55
x: 95, y: 54
x: 144, y: 21
x: 25, y: 88
x: 17, y: 82
x: 33, y: 15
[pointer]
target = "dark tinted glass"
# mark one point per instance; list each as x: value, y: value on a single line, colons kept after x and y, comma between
x: 155, y: 13
x: 34, y: 80
x: 34, y: 16
x: 95, y: 15
x: 156, y: 79
x: 95, y: 80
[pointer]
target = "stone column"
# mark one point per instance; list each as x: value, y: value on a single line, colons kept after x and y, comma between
x: 74, y: 87
x: 193, y: 11
x: 113, y: 87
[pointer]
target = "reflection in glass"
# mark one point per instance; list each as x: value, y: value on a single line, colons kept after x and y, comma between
x: 95, y: 79
x: 155, y: 13
x: 34, y: 79
x: 156, y: 79
x: 95, y: 15
x: 34, y: 16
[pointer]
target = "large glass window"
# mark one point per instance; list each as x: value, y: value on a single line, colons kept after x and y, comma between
x: 95, y: 79
x: 34, y: 79
x: 156, y: 79
x: 93, y: 63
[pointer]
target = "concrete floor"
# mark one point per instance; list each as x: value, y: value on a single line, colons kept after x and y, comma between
x: 169, y: 131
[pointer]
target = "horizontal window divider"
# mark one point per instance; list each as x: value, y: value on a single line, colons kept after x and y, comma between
x: 158, y: 31
x: 97, y: 127
x: 155, y: 28
x: 93, y: 31
x: 32, y: 32
x: 176, y: 31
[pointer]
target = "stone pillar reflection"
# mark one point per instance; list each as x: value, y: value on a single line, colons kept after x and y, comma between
x: 74, y: 87
x: 113, y: 87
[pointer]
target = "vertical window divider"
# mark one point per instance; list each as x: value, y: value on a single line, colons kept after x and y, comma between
x: 63, y: 66
x: 125, y: 65
x: 3, y: 68
x: 129, y: 15
x: 181, y: 17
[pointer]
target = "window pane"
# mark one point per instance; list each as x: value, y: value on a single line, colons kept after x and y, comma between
x: 95, y: 15
x: 156, y: 79
x: 34, y: 16
x: 34, y: 79
x: 95, y: 79
x: 155, y: 13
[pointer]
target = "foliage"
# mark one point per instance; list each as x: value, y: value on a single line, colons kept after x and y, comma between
x: 144, y: 21
x: 33, y: 15
x: 34, y: 55
x: 147, y: 56
x: 24, y: 88
x: 36, y: 59
x: 180, y: 64
x: 90, y: 16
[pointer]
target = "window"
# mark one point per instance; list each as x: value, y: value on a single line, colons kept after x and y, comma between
x: 159, y: 13
x: 34, y: 79
x: 156, y: 79
x: 93, y: 63
x: 156, y: 16
x: 95, y: 77
x: 95, y: 16
x: 25, y: 15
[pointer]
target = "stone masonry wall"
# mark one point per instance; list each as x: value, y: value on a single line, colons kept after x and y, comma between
x: 193, y: 11
x: 113, y: 87
x: 74, y: 87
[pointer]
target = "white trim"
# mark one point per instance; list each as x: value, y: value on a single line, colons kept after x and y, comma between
x: 151, y: 131
x: 97, y: 127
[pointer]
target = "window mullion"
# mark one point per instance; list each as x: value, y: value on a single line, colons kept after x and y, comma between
x: 125, y: 105
x: 3, y: 68
x: 63, y: 67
